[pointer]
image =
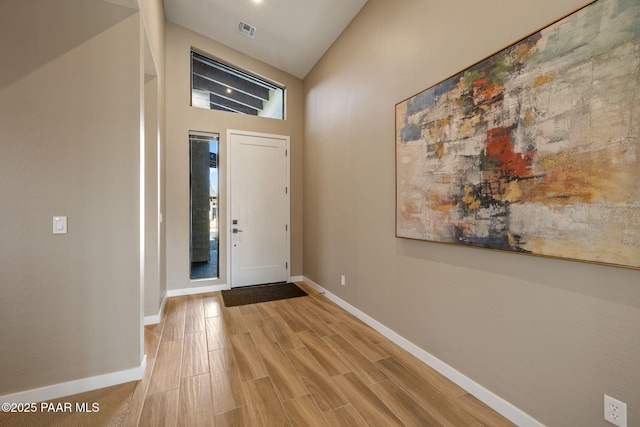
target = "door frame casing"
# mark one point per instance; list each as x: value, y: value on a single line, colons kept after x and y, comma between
x: 229, y: 174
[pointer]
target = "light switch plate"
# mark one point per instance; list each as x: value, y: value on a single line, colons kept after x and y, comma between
x: 59, y: 225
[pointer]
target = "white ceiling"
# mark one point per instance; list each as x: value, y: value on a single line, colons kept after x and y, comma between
x: 291, y: 35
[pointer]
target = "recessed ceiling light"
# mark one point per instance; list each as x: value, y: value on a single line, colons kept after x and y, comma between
x: 229, y: 90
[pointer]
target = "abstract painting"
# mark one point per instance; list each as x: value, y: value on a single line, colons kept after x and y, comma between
x: 534, y: 149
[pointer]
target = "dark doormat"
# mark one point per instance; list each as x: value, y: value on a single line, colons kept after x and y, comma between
x: 261, y: 293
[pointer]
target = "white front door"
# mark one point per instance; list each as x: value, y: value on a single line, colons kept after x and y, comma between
x: 259, y: 208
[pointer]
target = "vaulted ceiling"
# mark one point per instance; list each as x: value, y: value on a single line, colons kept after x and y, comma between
x: 291, y: 35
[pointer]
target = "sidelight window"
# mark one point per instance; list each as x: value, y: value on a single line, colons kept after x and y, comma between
x: 203, y: 156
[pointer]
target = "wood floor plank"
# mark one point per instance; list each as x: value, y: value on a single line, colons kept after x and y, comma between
x: 363, y: 367
x: 253, y: 319
x: 217, y: 335
x: 403, y: 405
x: 438, y: 405
x: 293, y: 303
x: 247, y: 309
x: 363, y: 344
x: 194, y: 316
x: 175, y: 304
x: 194, y: 301
x: 360, y: 327
x: 226, y: 383
x: 174, y: 325
x: 160, y: 410
x: 238, y: 417
x: 430, y: 375
x: 262, y: 335
x: 323, y: 303
x: 320, y: 311
x: 139, y: 395
x: 482, y: 412
x: 306, y: 313
x: 267, y: 309
x: 307, y: 288
x: 166, y: 372
x: 152, y: 335
x: 326, y: 394
x: 233, y: 321
x: 195, y: 357
x: 195, y: 406
x: 258, y: 328
x: 249, y: 363
x: 212, y: 305
x: 345, y: 416
x: 264, y: 405
x: 330, y: 361
x: 283, y: 375
x: 295, y: 322
x: 253, y: 350
x: 365, y: 401
x: 285, y: 336
x: 303, y: 412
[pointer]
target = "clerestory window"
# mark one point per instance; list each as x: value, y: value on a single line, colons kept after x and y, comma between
x: 217, y: 86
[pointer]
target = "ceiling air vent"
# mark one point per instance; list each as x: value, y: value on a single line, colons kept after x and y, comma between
x: 246, y: 29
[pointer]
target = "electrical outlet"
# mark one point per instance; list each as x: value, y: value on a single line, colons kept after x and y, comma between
x: 343, y: 281
x: 615, y: 411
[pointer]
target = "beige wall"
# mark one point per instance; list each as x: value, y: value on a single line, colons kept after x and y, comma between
x: 182, y: 118
x: 69, y: 145
x: 152, y: 292
x: 154, y: 114
x: 549, y: 336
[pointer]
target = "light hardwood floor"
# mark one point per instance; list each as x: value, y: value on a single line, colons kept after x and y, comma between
x: 296, y: 362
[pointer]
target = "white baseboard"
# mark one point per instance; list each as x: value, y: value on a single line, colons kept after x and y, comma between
x: 296, y: 279
x: 156, y: 318
x: 56, y: 391
x: 498, y: 404
x: 197, y: 290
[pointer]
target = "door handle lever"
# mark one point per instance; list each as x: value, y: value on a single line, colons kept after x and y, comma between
x: 235, y: 230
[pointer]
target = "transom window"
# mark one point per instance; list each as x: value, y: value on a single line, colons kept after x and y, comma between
x: 217, y: 86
